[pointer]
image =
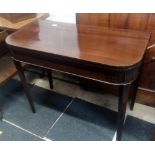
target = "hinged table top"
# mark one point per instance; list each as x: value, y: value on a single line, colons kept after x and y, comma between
x: 101, y: 45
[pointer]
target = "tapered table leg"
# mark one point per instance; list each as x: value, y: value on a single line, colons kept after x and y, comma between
x: 49, y: 73
x: 25, y: 84
x: 134, y: 92
x: 123, y: 99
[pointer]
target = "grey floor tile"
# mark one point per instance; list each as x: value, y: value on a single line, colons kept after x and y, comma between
x: 84, y: 121
x: 11, y: 133
x: 49, y: 106
x: 137, y: 130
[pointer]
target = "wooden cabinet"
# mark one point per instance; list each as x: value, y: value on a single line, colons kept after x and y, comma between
x: 17, y: 17
x: 134, y: 21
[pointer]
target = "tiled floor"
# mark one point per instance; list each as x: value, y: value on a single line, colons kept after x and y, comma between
x: 141, y: 111
x: 68, y: 121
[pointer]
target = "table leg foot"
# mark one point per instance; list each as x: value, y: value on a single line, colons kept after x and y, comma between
x: 123, y: 99
x: 25, y: 84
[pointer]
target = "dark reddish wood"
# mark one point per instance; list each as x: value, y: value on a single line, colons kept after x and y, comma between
x: 90, y: 71
x: 93, y: 19
x: 107, y: 55
x: 134, y: 21
x: 25, y: 85
x: 84, y: 43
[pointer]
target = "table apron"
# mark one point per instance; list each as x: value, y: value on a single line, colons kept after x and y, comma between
x: 105, y: 75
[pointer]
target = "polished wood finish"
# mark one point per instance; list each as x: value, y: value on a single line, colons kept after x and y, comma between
x: 87, y: 51
x: 83, y: 43
x: 134, y: 21
x: 11, y: 26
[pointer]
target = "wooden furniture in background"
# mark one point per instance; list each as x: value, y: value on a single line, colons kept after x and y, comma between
x: 17, y: 17
x: 3, y: 51
x: 112, y: 56
x: 7, y: 26
x: 7, y: 71
x: 7, y: 68
x: 11, y: 26
x: 133, y: 21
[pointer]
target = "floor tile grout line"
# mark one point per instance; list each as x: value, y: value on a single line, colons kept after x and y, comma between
x: 59, y: 117
x: 6, y: 121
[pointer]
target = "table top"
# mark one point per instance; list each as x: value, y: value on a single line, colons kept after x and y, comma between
x: 8, y: 25
x: 101, y: 45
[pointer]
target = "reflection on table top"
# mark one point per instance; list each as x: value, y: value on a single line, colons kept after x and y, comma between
x: 102, y: 45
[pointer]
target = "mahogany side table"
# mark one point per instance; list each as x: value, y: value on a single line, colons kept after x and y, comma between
x: 112, y: 56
